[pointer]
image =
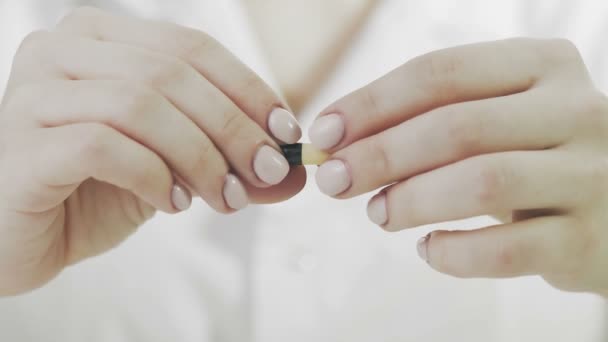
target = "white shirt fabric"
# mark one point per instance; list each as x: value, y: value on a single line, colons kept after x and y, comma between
x: 312, y: 268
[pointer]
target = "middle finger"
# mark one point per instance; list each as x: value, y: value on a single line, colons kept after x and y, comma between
x: 446, y: 135
x: 247, y: 147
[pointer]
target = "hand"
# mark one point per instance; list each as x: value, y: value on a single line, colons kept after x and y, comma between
x: 509, y: 126
x: 107, y: 119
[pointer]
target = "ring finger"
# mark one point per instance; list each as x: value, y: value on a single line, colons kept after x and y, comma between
x: 482, y: 185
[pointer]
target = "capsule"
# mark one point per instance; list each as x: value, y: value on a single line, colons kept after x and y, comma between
x: 304, y: 154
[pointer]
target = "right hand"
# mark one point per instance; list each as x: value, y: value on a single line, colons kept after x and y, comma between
x: 106, y: 119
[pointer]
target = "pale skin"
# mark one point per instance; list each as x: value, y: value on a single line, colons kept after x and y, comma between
x: 513, y: 126
x: 510, y: 126
x: 107, y: 119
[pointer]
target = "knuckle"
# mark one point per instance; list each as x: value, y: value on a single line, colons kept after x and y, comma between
x: 505, y: 257
x: 379, y: 159
x: 441, y: 64
x: 137, y: 101
x: 93, y: 146
x: 207, y: 161
x: 202, y: 159
x: 165, y: 70
x: 250, y: 83
x: 236, y: 127
x: 371, y: 102
x: 437, y: 72
x: 190, y: 43
x: 464, y: 132
x: 492, y: 181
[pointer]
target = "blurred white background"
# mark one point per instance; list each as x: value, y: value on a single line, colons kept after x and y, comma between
x: 264, y: 274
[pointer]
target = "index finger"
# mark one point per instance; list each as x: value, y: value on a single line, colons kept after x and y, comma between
x: 205, y: 54
x: 459, y: 74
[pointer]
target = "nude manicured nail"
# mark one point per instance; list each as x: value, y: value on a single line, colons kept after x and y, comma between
x: 333, y: 178
x: 284, y: 126
x: 376, y: 209
x: 327, y: 131
x: 235, y: 194
x: 422, y: 247
x: 270, y: 165
x: 181, y: 197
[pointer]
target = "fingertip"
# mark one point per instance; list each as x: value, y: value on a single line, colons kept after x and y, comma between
x: 376, y: 209
x: 327, y: 131
x: 284, y: 126
x: 270, y: 166
x: 333, y: 177
x: 422, y: 246
x: 234, y: 193
x: 180, y: 197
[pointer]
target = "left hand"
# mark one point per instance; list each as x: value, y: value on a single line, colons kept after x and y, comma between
x: 509, y: 126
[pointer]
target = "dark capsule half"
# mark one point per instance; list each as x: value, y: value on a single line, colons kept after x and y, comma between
x: 293, y: 153
x: 304, y: 154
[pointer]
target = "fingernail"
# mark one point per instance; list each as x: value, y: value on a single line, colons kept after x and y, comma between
x: 181, y: 197
x: 270, y: 165
x: 327, y: 131
x: 284, y: 126
x: 422, y: 247
x: 376, y: 209
x: 332, y: 177
x: 235, y: 194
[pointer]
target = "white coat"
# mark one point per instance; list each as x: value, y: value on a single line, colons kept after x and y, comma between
x: 312, y: 268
